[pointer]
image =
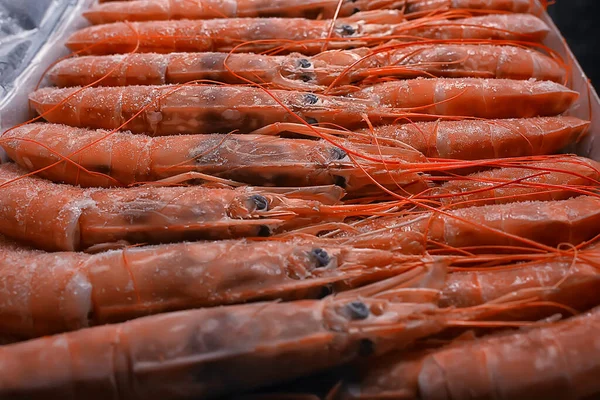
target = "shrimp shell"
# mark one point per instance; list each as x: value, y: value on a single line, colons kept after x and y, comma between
x: 262, y: 34
x: 58, y: 217
x: 252, y: 159
x: 298, y: 72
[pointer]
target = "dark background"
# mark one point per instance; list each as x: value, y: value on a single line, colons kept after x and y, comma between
x: 579, y: 23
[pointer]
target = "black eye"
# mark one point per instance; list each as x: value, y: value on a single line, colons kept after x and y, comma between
x: 347, y: 30
x: 366, y: 347
x: 311, y: 98
x: 264, y: 231
x: 325, y: 291
x: 304, y: 63
x: 261, y: 203
x: 305, y: 78
x: 358, y: 310
x: 321, y: 257
x: 339, y: 181
x: 338, y: 154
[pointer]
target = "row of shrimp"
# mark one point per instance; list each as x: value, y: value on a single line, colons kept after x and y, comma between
x: 229, y: 198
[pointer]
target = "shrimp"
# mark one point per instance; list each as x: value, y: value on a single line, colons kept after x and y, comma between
x: 58, y: 217
x: 190, y: 354
x: 155, y: 10
x: 166, y: 110
x: 466, y: 139
x: 125, y: 159
x: 290, y: 35
x: 555, y: 179
x: 299, y: 72
x: 556, y: 361
x: 576, y: 281
x: 118, y: 285
x: 534, y: 224
x: 470, y: 97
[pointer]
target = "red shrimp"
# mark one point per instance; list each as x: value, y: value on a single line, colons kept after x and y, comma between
x: 123, y: 284
x: 555, y: 179
x: 556, y: 361
x: 165, y: 110
x: 113, y: 159
x: 289, y: 35
x: 65, y: 218
x: 191, y: 354
x: 298, y: 72
x: 465, y: 139
x: 155, y: 10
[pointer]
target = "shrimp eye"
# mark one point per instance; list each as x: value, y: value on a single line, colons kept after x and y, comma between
x: 264, y: 231
x: 366, y: 347
x: 321, y: 256
x: 358, y: 310
x: 347, y: 30
x: 338, y: 154
x: 305, y: 78
x: 304, y: 63
x: 261, y: 202
x: 311, y: 98
x: 339, y: 181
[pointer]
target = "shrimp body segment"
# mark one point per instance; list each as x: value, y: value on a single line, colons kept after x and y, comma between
x: 555, y: 179
x: 123, y: 284
x: 471, y: 97
x: 484, y: 139
x: 58, y: 217
x: 165, y: 110
x: 125, y: 159
x: 576, y: 279
x: 263, y: 34
x: 298, y: 72
x: 557, y: 361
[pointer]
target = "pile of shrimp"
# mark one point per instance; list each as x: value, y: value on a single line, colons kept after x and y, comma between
x: 241, y: 198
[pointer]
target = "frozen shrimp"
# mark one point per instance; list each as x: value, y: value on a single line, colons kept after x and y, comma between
x: 59, y: 217
x: 316, y: 73
x: 104, y: 159
x: 289, y: 35
x: 118, y: 285
x: 165, y: 110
